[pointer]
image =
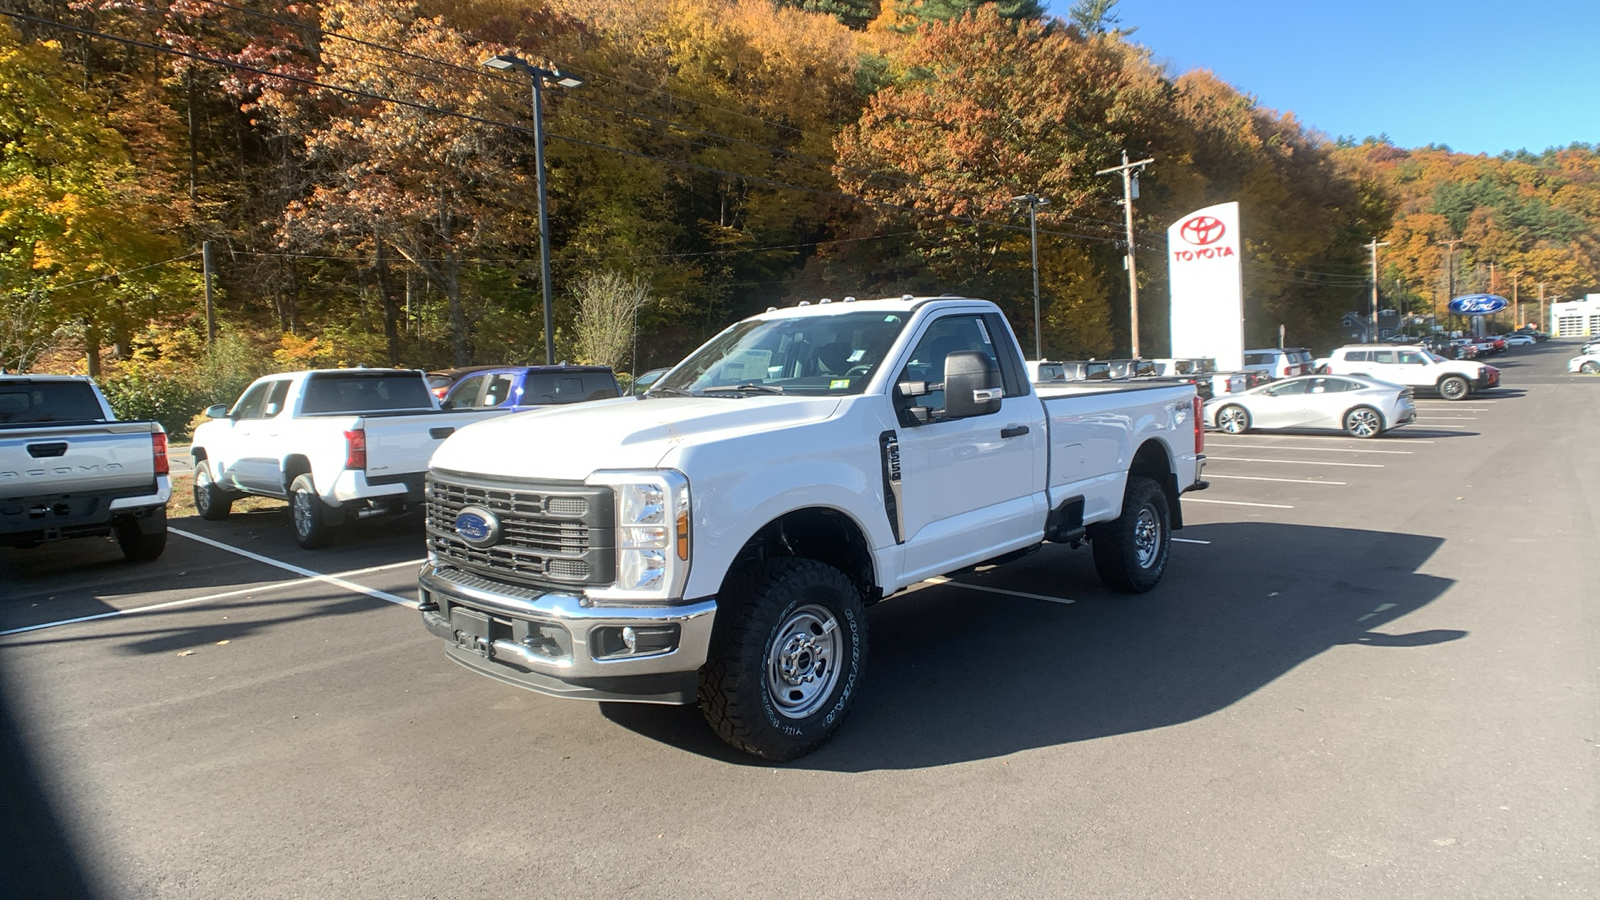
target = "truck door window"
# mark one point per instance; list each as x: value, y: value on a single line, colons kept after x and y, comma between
x: 951, y: 334
x: 1411, y: 358
x: 498, y: 390
x: 465, y: 393
x: 249, y: 405
x: 1383, y: 356
x: 276, y: 394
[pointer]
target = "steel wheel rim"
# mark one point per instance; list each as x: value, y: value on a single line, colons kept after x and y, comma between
x: 302, y: 512
x: 1146, y: 537
x: 1364, y: 423
x: 803, y: 662
x: 1232, y: 420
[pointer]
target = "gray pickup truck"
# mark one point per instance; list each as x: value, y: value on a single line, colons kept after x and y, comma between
x: 69, y: 469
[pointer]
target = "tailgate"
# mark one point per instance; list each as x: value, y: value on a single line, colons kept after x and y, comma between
x: 402, y: 444
x: 76, y: 459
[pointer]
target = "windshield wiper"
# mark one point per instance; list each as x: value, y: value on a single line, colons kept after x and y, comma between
x: 666, y: 392
x: 749, y: 387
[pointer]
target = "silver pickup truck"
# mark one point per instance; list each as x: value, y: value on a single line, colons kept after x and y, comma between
x: 68, y: 469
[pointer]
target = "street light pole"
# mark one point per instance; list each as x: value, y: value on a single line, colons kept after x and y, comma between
x: 1450, y: 275
x: 1034, y: 201
x: 536, y: 77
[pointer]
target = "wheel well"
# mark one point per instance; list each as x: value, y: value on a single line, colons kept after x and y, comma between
x: 1153, y: 462
x: 825, y: 535
x: 197, y: 453
x: 294, y: 467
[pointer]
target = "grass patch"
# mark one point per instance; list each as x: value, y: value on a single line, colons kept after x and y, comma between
x: 182, y: 502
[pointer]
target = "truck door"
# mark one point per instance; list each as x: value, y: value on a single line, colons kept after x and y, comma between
x: 971, y: 488
x: 236, y: 447
x: 256, y: 428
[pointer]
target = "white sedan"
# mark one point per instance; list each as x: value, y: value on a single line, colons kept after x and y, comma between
x: 1362, y: 407
x: 1515, y: 339
x: 1588, y: 364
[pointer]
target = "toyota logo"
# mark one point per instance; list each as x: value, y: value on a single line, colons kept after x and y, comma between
x: 1202, y: 230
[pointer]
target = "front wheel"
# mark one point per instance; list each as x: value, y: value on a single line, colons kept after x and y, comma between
x: 1363, y: 422
x: 1130, y: 553
x: 1233, y: 419
x: 210, y: 500
x: 313, y: 529
x: 1590, y: 368
x: 787, y: 654
x: 1454, y: 387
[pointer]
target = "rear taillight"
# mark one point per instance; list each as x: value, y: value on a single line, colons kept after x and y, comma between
x: 158, y: 450
x: 355, y: 449
x: 1199, y: 426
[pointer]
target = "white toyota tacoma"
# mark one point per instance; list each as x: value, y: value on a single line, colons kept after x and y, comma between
x: 716, y: 539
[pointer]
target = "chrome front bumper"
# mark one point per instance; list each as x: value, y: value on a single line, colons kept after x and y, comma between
x: 556, y: 644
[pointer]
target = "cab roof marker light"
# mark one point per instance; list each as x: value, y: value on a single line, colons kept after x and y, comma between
x: 908, y: 297
x: 849, y: 300
x: 824, y: 300
x: 803, y: 303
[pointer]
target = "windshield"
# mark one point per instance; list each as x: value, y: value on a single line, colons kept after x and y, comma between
x: 814, y: 355
x: 1434, y: 356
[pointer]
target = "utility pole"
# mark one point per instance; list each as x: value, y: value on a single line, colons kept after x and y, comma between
x: 211, y: 310
x: 1543, y: 325
x: 1516, y: 304
x: 1450, y: 275
x: 1129, y: 190
x: 1035, y: 201
x: 1374, y: 248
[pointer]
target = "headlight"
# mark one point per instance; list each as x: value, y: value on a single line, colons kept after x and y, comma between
x: 653, y: 540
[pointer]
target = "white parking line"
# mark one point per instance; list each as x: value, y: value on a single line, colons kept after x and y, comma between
x: 940, y: 579
x: 290, y: 567
x: 1285, y: 480
x: 1188, y: 540
x: 1314, y: 449
x: 1240, y: 503
x: 1446, y: 417
x: 1303, y: 462
x: 259, y: 589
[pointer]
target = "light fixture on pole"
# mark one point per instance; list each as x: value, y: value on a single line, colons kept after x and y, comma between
x: 1034, y: 201
x: 537, y: 76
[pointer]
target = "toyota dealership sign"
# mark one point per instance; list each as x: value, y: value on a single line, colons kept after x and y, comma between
x: 1207, y: 286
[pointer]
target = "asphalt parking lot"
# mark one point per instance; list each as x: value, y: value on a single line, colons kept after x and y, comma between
x: 1370, y: 672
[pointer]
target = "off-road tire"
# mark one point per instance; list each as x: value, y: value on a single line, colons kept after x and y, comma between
x: 1130, y: 553
x: 741, y: 676
x: 310, y: 519
x: 211, y: 501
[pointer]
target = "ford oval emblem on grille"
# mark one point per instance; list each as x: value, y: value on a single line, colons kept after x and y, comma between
x: 478, y: 526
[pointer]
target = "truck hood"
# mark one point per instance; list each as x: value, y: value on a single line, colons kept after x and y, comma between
x: 568, y: 443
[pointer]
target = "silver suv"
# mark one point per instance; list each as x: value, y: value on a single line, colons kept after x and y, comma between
x: 1279, y: 363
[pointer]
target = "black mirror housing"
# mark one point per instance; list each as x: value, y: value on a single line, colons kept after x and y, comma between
x: 971, y: 385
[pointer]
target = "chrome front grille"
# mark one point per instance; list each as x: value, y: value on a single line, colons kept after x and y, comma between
x: 551, y: 535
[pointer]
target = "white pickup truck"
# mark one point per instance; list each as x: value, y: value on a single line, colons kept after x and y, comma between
x: 338, y: 444
x: 716, y: 539
x: 69, y: 469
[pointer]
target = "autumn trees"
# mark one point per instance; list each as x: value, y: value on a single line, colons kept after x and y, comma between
x: 368, y: 185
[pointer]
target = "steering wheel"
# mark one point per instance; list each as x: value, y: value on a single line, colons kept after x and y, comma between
x: 858, y: 371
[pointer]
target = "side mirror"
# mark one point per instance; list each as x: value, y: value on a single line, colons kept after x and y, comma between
x: 217, y: 411
x: 446, y: 404
x: 273, y: 409
x: 971, y: 385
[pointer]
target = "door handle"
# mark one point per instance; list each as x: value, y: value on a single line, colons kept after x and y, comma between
x: 440, y: 434
x: 1014, y: 431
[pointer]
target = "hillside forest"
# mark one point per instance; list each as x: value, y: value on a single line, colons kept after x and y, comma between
x: 362, y: 189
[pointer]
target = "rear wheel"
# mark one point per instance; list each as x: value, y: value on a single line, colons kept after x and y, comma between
x: 1130, y: 554
x: 787, y: 654
x: 141, y: 544
x: 1454, y: 387
x: 1363, y: 422
x: 1233, y: 419
x: 313, y: 525
x: 211, y: 501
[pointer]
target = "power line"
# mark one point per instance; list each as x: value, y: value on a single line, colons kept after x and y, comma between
x: 117, y: 274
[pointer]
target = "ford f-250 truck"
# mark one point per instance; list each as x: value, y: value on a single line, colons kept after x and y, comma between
x: 338, y: 444
x: 69, y: 469
x: 716, y: 539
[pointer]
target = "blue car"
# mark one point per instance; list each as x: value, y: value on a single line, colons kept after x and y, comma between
x: 530, y: 387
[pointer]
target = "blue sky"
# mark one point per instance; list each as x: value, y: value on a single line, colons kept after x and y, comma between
x: 1479, y: 77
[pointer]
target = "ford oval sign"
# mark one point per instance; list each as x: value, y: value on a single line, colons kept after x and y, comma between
x: 1478, y: 304
x: 478, y: 526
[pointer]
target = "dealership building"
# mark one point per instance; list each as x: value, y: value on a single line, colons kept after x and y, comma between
x: 1579, y: 318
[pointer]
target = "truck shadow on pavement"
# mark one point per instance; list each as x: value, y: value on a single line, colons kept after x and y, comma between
x: 956, y: 674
